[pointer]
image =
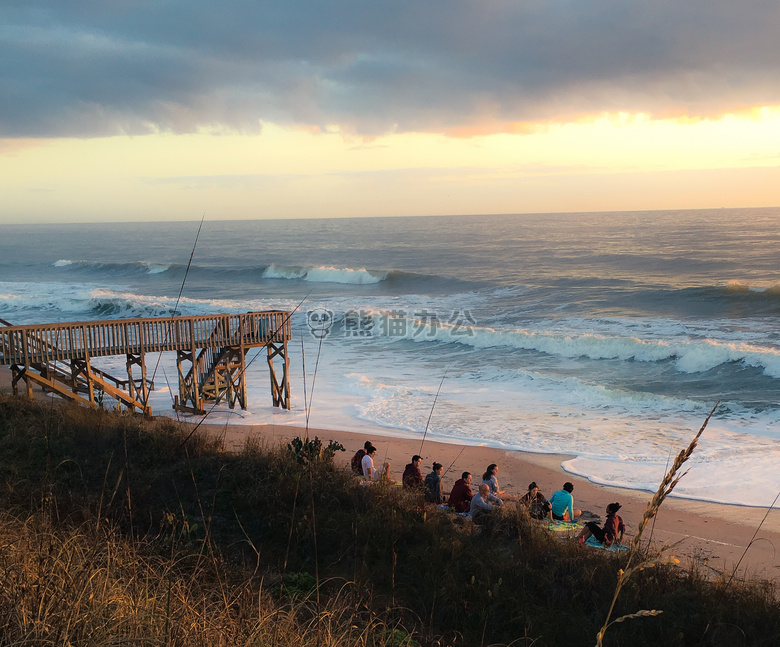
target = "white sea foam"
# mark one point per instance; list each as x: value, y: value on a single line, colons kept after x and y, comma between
x: 327, y: 274
x: 281, y: 272
x: 619, y: 439
x: 63, y: 262
x: 726, y: 468
x: 155, y: 268
x: 147, y: 305
x: 690, y: 356
x: 61, y: 300
x: 740, y: 286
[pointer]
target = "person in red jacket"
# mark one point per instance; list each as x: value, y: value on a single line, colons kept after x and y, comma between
x: 412, y: 477
x: 612, y: 531
x: 461, y: 495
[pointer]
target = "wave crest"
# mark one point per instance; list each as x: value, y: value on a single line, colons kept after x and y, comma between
x: 144, y: 267
x: 689, y: 356
x: 282, y: 272
x: 326, y: 274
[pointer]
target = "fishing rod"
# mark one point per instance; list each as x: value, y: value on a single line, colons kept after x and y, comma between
x: 189, y: 263
x: 434, y: 406
x: 305, y: 400
x: 454, y: 461
x: 176, y: 307
x: 313, y: 380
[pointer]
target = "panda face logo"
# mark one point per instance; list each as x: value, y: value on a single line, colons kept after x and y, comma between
x: 320, y: 322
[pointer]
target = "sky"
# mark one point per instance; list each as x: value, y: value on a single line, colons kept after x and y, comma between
x: 166, y: 110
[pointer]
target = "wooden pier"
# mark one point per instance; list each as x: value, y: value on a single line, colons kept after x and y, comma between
x: 210, y: 357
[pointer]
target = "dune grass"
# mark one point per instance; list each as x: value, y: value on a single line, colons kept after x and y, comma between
x: 115, y: 529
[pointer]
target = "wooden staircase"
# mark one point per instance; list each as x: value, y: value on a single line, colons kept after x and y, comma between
x: 80, y: 378
x: 218, y: 371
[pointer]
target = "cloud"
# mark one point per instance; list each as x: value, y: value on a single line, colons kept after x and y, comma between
x: 94, y: 68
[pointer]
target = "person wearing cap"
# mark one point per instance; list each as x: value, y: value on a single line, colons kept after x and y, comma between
x: 538, y: 506
x: 433, y: 492
x: 562, y: 504
x: 357, y: 460
x: 412, y: 477
x: 461, y: 494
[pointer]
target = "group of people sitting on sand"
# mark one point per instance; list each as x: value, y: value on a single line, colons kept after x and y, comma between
x: 461, y: 499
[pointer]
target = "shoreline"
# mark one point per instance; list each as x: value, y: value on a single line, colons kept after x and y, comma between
x: 714, y: 535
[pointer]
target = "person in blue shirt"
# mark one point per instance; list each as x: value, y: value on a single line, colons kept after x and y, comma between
x: 562, y: 503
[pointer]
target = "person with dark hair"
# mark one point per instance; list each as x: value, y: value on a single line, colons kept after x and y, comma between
x: 370, y: 471
x: 490, y: 478
x: 433, y: 491
x: 538, y: 506
x: 367, y: 463
x: 461, y: 494
x: 612, y: 531
x: 357, y: 460
x: 412, y: 477
x: 562, y: 504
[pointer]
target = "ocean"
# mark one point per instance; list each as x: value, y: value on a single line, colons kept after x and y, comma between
x: 605, y: 336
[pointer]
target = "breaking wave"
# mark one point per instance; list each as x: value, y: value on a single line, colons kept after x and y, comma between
x: 326, y: 274
x: 138, y: 267
x: 688, y: 355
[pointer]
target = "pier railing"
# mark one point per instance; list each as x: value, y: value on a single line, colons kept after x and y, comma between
x: 57, y: 357
x: 88, y: 339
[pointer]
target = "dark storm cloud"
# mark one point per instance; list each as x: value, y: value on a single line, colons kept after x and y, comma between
x: 99, y: 68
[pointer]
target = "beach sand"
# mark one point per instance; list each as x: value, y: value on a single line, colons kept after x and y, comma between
x: 715, y: 536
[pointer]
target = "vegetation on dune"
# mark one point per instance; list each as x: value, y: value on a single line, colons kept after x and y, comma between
x: 116, y: 529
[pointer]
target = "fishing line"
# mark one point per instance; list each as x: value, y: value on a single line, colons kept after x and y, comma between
x: 434, y: 405
x: 753, y: 539
x: 454, y: 461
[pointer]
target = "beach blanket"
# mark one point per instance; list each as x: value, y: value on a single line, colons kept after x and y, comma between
x: 563, y: 526
x: 614, y: 548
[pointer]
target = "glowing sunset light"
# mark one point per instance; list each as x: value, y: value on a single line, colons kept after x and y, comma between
x: 379, y: 116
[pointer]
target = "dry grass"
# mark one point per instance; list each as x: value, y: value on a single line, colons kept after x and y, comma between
x: 116, y: 531
x: 81, y: 587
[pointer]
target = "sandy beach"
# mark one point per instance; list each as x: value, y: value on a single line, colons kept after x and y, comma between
x: 715, y: 535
